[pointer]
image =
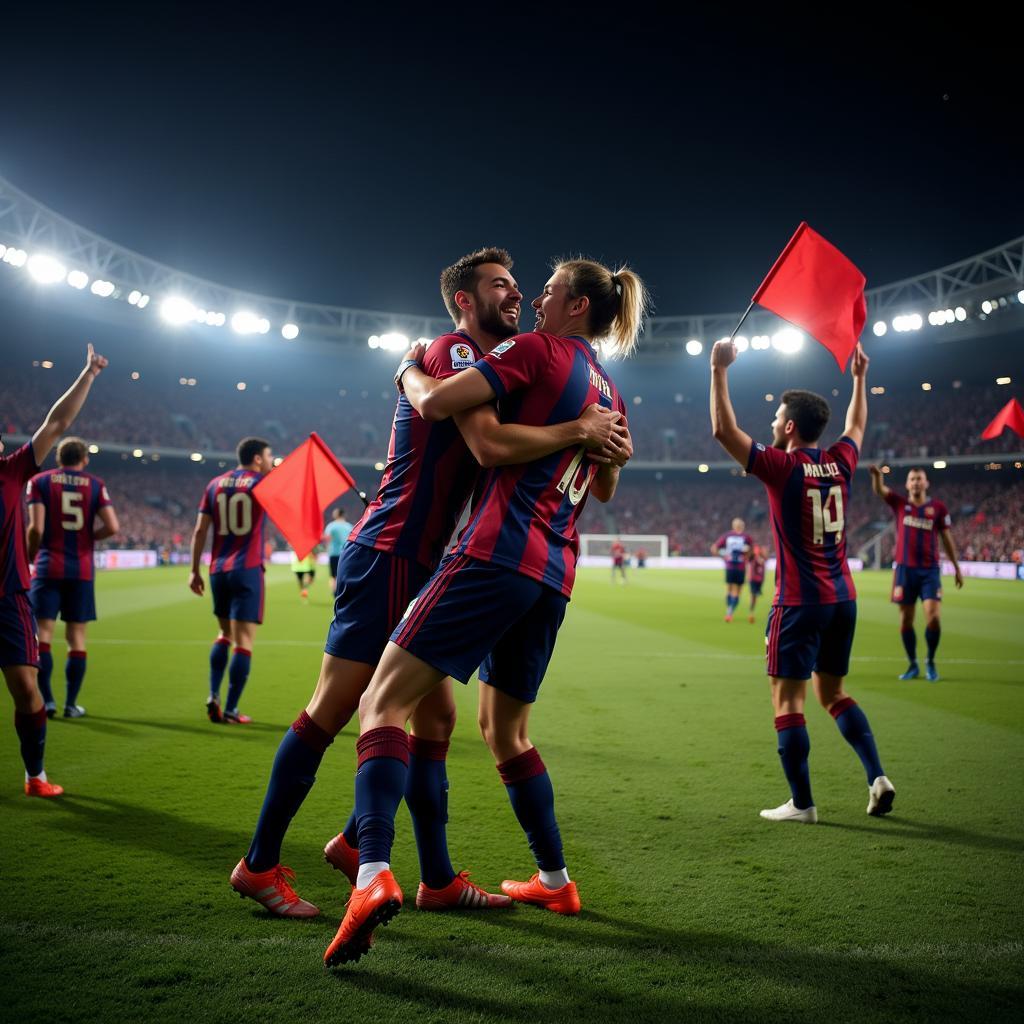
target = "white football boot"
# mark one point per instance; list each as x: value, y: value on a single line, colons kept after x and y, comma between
x: 787, y: 812
x: 880, y: 797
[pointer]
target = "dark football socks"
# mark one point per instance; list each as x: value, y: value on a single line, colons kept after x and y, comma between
x: 218, y: 664
x: 238, y: 673
x: 31, y: 729
x: 853, y: 724
x: 45, y: 673
x: 426, y: 796
x: 909, y: 638
x: 383, y: 756
x: 931, y: 638
x: 74, y: 674
x: 794, y: 748
x: 533, y: 801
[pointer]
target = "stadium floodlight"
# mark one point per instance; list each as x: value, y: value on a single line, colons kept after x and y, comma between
x: 703, y: 467
x: 104, y: 289
x: 880, y: 328
x: 373, y: 341
x: 94, y: 449
x: 986, y: 306
x: 143, y: 302
x: 241, y: 385
x: 47, y: 364
x: 694, y: 347
x: 950, y: 316
x: 741, y: 342
x: 1020, y: 296
x: 960, y: 313
x: 244, y: 322
x: 196, y: 456
x: 761, y: 341
x: 788, y: 341
x: 137, y: 453
x: 394, y: 342
x: 424, y: 341
x: 46, y: 269
x: 263, y: 325
x: 133, y: 297
x: 935, y: 318
x: 3, y: 249
x: 290, y: 332
x: 176, y: 310
x: 939, y: 464
x: 15, y: 257
x: 1003, y: 380
x: 379, y: 466
x: 78, y: 279
x: 926, y: 386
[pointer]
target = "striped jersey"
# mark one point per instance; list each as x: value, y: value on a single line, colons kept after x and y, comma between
x: 430, y: 472
x: 16, y: 470
x: 239, y: 522
x: 757, y: 563
x: 71, y: 498
x: 917, y: 530
x: 736, y: 548
x: 808, y: 494
x: 525, y: 517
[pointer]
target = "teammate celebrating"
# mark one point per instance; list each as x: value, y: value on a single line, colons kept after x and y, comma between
x: 756, y: 560
x: 811, y: 625
x: 19, y: 649
x: 236, y: 571
x: 336, y: 534
x: 619, y: 560
x: 919, y: 519
x: 499, y: 600
x: 734, y: 547
x: 63, y: 505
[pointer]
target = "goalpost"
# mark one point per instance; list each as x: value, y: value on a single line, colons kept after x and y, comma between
x: 596, y: 548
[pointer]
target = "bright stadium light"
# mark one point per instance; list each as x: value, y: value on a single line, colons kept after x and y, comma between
x: 788, y: 340
x: 1020, y: 295
x: 176, y: 310
x: 133, y: 297
x: 694, y: 347
x: 45, y: 269
x: 703, y: 467
x: 394, y: 342
x: 742, y: 344
x: 15, y: 257
x: 143, y: 302
x: 379, y: 466
x: 939, y: 464
x: 196, y: 456
x: 1003, y: 380
x: 880, y: 328
x: 760, y: 341
x: 137, y: 453
x: 290, y: 332
x: 241, y: 385
x: 373, y: 341
x: 263, y: 325
x: 986, y: 306
x: 104, y: 289
x: 960, y: 313
x: 94, y: 449
x: 244, y: 322
x: 926, y: 386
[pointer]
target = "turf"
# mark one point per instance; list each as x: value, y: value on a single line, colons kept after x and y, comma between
x: 655, y: 723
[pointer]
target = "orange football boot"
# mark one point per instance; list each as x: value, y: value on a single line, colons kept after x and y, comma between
x: 375, y: 904
x: 236, y: 717
x: 272, y: 889
x: 459, y: 894
x: 342, y: 857
x: 40, y: 787
x: 565, y: 900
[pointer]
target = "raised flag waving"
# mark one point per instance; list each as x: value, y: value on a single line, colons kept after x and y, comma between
x: 297, y: 492
x: 1011, y: 415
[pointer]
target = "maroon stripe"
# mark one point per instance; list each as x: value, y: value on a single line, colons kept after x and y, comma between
x: 789, y: 721
x: 430, y: 750
x: 841, y: 705
x: 523, y: 766
x: 431, y: 597
x: 387, y: 741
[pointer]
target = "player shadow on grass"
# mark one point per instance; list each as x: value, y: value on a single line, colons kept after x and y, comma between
x: 208, y: 730
x: 906, y: 828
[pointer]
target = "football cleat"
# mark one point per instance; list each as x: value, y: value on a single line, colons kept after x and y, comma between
x: 213, y: 711
x: 931, y: 673
x: 912, y: 672
x: 565, y: 900
x: 728, y: 618
x: 40, y: 787
x: 51, y: 709
x: 789, y: 812
x: 751, y: 618
x: 272, y: 889
x: 459, y: 894
x: 237, y: 717
x: 342, y: 857
x: 74, y: 711
x: 373, y: 905
x: 881, y: 794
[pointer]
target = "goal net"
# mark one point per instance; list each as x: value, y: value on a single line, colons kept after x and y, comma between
x: 596, y: 548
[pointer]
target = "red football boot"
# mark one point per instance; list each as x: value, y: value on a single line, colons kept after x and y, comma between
x: 40, y: 787
x: 342, y: 857
x: 375, y: 904
x: 459, y: 894
x: 565, y: 900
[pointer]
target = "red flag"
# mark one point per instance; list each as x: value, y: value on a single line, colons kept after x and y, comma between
x: 298, y: 491
x: 814, y: 286
x: 1011, y: 415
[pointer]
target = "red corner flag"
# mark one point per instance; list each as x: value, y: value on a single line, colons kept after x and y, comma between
x: 297, y: 492
x: 1011, y: 415
x: 814, y: 286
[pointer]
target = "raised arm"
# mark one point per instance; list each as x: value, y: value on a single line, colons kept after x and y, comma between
x: 65, y: 410
x: 878, y: 483
x: 949, y: 544
x: 857, y: 413
x: 723, y: 420
x: 195, y: 578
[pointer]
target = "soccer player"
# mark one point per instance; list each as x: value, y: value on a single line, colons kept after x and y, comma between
x: 63, y: 505
x: 734, y: 547
x: 499, y: 600
x: 811, y: 624
x: 236, y: 571
x: 921, y: 521
x: 619, y: 560
x: 305, y: 572
x: 392, y: 550
x: 19, y: 649
x: 336, y: 533
x: 756, y: 559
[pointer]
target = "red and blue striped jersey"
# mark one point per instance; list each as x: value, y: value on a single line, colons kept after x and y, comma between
x: 525, y: 517
x: 808, y: 494
x: 430, y: 473
x: 757, y: 564
x: 737, y: 546
x: 917, y: 530
x: 239, y: 521
x: 16, y: 470
x: 71, y: 498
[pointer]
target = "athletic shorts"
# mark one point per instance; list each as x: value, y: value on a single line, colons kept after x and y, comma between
x: 19, y: 644
x: 374, y: 588
x: 618, y: 563
x: 334, y: 559
x: 74, y: 600
x: 755, y: 587
x: 909, y: 584
x: 802, y: 639
x: 301, y: 575
x: 238, y: 594
x: 473, y: 614
x: 736, y: 576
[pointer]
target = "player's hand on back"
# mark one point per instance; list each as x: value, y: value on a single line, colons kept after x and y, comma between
x: 600, y: 433
x: 196, y: 583
x: 859, y: 365
x: 723, y: 354
x: 94, y: 362
x: 415, y: 353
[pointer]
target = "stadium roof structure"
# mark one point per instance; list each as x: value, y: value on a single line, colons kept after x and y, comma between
x: 968, y: 298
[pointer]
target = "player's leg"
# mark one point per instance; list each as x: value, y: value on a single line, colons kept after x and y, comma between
x: 74, y: 667
x: 46, y: 628
x: 932, y: 626
x: 755, y: 590
x: 904, y: 596
x: 220, y: 591
x: 243, y: 635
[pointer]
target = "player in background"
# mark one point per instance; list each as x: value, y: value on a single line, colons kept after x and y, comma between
x: 19, y: 649
x: 619, y: 560
x: 733, y: 547
x: 498, y: 601
x: 63, y: 505
x: 336, y: 534
x: 921, y: 521
x: 305, y: 572
x: 236, y: 571
x: 756, y: 560
x: 392, y: 550
x: 811, y: 624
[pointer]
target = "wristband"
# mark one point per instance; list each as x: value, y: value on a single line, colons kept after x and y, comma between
x: 404, y: 365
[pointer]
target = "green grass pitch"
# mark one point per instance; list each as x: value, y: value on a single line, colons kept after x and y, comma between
x: 655, y: 723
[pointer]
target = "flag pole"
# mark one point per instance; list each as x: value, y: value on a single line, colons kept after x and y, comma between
x: 742, y: 318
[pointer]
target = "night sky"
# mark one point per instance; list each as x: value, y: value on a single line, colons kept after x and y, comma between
x: 345, y: 159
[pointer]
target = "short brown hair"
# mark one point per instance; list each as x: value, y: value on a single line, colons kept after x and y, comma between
x: 461, y: 275
x: 810, y: 413
x: 249, y: 448
x: 71, y: 451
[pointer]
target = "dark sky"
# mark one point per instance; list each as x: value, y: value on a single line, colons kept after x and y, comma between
x: 344, y: 158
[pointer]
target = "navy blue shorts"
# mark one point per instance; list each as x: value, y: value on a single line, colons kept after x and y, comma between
x: 735, y: 576
x: 238, y: 594
x: 755, y: 587
x: 334, y: 559
x: 810, y: 638
x: 373, y: 591
x: 75, y: 600
x: 472, y: 614
x: 909, y: 584
x: 19, y: 644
